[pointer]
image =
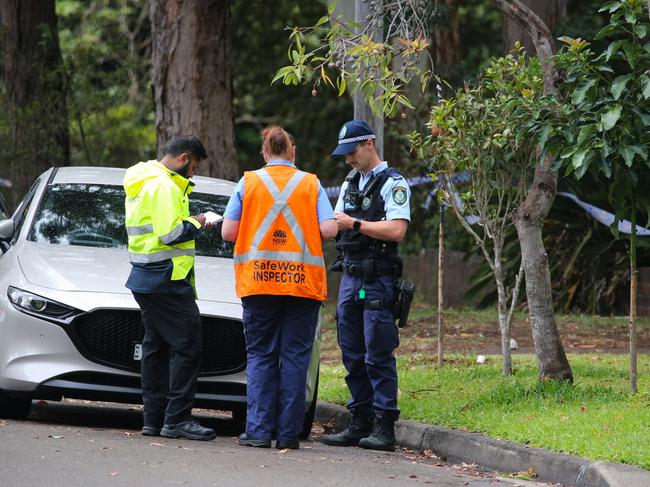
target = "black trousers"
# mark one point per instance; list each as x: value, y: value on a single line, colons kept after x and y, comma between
x: 171, y: 356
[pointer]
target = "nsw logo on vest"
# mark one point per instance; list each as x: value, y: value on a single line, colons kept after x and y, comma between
x: 279, y: 237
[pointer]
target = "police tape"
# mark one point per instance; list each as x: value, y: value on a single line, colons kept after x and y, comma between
x: 601, y: 216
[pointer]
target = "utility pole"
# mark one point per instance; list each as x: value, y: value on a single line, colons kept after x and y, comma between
x: 362, y: 111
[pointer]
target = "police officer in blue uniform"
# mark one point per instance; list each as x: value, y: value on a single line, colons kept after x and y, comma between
x: 372, y: 214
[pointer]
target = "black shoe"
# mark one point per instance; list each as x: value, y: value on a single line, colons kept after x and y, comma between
x: 150, y: 431
x: 383, y: 433
x: 287, y: 445
x: 246, y: 441
x: 190, y: 429
x: 360, y: 427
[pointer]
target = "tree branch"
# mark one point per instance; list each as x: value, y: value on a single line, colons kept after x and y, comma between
x: 539, y: 33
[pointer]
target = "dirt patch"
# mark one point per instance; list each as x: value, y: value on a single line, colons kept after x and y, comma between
x: 473, y: 333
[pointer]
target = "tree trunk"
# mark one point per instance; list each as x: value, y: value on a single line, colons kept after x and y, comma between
x: 529, y: 217
x: 551, y: 12
x: 446, y: 46
x: 634, y: 278
x: 441, y: 281
x: 32, y: 72
x: 362, y: 111
x: 191, y: 79
x: 504, y: 325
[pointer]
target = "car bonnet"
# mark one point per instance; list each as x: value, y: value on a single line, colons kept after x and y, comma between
x: 102, y: 270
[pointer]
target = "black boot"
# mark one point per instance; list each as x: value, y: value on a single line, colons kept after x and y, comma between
x: 360, y: 427
x: 383, y: 433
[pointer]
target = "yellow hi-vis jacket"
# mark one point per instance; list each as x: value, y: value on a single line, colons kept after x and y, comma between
x: 156, y: 207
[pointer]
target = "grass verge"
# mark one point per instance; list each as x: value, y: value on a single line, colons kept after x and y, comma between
x: 596, y: 417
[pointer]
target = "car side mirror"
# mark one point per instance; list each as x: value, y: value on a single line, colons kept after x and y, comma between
x: 7, y: 228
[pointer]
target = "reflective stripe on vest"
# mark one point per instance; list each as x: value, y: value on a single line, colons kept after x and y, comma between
x: 280, y: 206
x: 159, y: 256
x: 139, y: 230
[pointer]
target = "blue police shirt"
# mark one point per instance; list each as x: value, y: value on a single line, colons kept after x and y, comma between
x: 395, y: 192
x: 234, y: 207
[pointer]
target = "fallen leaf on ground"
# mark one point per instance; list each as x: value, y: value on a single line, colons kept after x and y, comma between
x: 3, y: 423
x: 114, y: 474
x: 56, y: 437
x: 156, y: 444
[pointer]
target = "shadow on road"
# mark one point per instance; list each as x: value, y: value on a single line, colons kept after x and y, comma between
x: 105, y: 415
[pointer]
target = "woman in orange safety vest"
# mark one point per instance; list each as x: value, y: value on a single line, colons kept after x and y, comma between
x: 278, y: 217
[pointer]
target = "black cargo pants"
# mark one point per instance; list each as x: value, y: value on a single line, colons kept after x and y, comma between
x: 171, y: 356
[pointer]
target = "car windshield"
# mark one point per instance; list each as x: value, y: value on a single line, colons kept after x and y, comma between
x: 92, y: 215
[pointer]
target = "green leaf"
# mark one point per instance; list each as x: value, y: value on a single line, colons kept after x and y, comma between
x: 281, y: 73
x: 628, y: 155
x: 619, y: 85
x: 611, y: 6
x: 604, y: 167
x: 585, y: 132
x: 640, y: 151
x: 331, y: 8
x: 584, y: 165
x: 579, y: 94
x: 613, y: 48
x: 607, y: 31
x: 543, y: 136
x: 641, y: 30
x: 341, y: 84
x: 611, y: 116
x: 645, y: 117
x: 646, y: 86
x: 322, y: 20
x: 578, y: 158
x: 568, y: 152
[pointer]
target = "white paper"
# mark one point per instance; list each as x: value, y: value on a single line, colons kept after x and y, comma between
x: 212, y: 218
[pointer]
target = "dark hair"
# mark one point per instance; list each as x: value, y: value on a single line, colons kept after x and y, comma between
x: 189, y: 144
x: 276, y: 141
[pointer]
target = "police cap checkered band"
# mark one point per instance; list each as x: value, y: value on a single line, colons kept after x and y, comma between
x: 357, y: 139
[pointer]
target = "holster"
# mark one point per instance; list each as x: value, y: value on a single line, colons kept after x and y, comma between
x: 403, y: 300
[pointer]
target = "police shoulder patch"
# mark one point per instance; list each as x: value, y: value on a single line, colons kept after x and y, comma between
x: 399, y: 195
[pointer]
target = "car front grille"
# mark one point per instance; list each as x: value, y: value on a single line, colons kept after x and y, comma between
x: 109, y: 337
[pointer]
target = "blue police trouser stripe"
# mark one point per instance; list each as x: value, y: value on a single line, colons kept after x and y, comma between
x: 367, y: 339
x: 279, y: 333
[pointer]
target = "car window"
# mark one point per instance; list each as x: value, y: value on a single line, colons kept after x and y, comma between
x: 23, y: 208
x: 92, y: 215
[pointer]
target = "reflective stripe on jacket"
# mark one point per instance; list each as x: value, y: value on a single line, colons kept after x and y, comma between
x: 279, y: 249
x: 156, y: 208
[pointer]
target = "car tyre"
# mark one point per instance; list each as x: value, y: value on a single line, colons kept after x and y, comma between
x: 14, y: 408
x: 309, y: 416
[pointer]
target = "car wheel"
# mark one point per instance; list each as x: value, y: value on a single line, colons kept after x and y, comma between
x: 309, y: 416
x: 14, y: 408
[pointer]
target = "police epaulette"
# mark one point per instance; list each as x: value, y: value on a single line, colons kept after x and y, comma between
x: 393, y: 173
x: 351, y: 175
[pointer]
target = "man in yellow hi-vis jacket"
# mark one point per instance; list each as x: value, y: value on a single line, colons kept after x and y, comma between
x: 161, y: 249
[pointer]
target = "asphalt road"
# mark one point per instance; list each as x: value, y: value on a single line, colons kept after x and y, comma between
x: 99, y: 444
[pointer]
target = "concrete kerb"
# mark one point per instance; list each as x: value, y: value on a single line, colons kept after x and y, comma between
x: 503, y: 456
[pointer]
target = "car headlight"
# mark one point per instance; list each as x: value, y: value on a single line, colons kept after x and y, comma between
x: 38, y: 305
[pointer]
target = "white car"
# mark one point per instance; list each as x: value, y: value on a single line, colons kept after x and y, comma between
x: 69, y: 327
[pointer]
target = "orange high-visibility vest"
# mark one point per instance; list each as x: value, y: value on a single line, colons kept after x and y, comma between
x: 279, y: 249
